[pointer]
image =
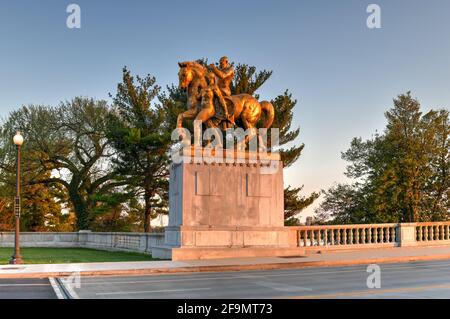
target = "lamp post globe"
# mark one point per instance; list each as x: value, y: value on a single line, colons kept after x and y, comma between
x: 18, y: 139
x: 16, y: 258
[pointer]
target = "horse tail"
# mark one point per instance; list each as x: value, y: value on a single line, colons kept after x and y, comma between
x: 269, y: 112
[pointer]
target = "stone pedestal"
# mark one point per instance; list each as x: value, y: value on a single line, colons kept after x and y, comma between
x: 222, y: 207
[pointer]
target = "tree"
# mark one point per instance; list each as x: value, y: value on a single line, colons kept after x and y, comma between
x: 140, y: 130
x: 247, y: 80
x: 6, y: 210
x: 345, y: 204
x: 70, y: 142
x: 402, y: 174
x: 40, y: 210
x: 120, y: 215
x: 294, y: 203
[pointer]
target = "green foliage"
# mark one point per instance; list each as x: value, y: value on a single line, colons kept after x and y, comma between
x: 402, y: 175
x: 6, y: 209
x: 40, y: 209
x: 284, y: 107
x: 247, y: 80
x: 140, y: 131
x: 117, y: 215
x: 294, y: 203
x: 69, y: 141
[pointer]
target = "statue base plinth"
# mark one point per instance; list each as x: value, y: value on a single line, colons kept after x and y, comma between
x: 225, y: 210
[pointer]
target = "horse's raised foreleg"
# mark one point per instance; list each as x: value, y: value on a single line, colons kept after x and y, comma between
x: 189, y: 114
x: 203, y: 116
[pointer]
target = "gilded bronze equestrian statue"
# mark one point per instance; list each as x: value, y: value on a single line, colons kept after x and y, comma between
x: 204, y: 84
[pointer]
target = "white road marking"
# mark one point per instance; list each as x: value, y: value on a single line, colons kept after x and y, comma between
x: 69, y: 287
x: 149, y: 291
x: 56, y: 288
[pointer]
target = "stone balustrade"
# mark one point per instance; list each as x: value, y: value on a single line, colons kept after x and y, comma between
x: 372, y: 235
x: 347, y: 235
x: 137, y: 242
x: 433, y: 232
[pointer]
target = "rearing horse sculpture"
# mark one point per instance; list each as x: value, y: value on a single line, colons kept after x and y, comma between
x: 246, y: 108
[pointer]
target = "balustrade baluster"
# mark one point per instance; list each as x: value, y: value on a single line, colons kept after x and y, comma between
x: 325, y: 237
x: 350, y: 236
x: 311, y: 238
x: 432, y: 233
x: 332, y: 236
x: 388, y: 235
x: 363, y: 236
x: 369, y: 235
x: 344, y: 236
x: 319, y: 237
x: 393, y: 234
x: 305, y: 238
x: 338, y: 233
x: 375, y: 235
x: 447, y: 227
x: 420, y: 234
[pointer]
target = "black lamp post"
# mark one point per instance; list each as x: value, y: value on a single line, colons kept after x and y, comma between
x: 16, y: 258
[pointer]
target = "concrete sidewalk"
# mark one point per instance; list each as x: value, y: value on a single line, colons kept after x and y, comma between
x: 327, y: 258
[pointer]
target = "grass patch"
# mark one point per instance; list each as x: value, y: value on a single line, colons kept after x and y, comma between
x: 70, y: 255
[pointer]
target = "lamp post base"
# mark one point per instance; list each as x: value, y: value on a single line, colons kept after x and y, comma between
x: 16, y: 260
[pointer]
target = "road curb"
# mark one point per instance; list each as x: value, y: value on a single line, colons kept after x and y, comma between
x: 224, y: 268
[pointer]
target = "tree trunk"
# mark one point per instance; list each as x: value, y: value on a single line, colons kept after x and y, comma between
x: 81, y: 210
x: 147, y: 212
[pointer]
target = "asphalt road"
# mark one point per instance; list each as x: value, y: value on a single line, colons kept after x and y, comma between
x: 26, y: 289
x: 408, y: 280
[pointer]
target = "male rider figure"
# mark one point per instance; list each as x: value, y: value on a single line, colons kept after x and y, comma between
x: 225, y: 74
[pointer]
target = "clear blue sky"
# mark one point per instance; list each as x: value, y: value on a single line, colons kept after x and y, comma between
x: 343, y: 74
